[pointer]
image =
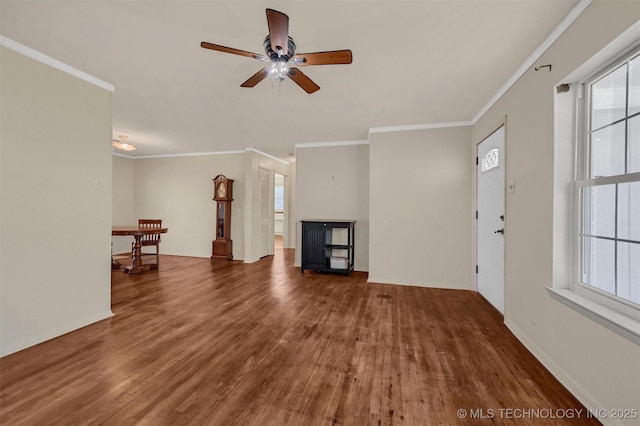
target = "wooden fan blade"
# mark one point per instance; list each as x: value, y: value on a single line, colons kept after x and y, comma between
x: 302, y: 80
x: 256, y: 78
x: 278, y: 30
x: 333, y: 57
x: 225, y: 49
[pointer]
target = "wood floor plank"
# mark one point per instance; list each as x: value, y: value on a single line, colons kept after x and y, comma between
x: 201, y: 343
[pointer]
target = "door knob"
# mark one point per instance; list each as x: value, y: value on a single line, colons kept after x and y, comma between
x: 499, y: 231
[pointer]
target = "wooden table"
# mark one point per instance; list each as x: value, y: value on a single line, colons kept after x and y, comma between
x: 137, y: 233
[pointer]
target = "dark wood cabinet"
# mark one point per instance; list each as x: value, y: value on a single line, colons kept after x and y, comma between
x: 328, y: 245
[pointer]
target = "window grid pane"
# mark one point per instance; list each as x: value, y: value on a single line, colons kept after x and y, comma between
x: 608, y: 156
x: 634, y: 86
x: 611, y: 239
x: 633, y: 136
x: 599, y: 264
x: 610, y: 212
x: 628, y: 220
x: 628, y: 271
x: 609, y: 98
x: 599, y: 211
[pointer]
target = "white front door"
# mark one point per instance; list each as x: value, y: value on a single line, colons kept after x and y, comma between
x: 491, y: 220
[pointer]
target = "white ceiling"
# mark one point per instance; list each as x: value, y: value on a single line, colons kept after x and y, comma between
x: 414, y: 62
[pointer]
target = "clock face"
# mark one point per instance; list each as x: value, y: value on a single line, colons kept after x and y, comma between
x: 221, y: 192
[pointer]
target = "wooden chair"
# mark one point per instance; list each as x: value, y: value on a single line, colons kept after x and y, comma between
x: 150, y: 240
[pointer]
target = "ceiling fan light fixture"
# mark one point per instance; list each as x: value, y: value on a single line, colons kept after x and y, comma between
x: 122, y: 144
x: 279, y: 70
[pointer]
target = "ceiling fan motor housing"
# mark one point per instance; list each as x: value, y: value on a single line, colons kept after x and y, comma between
x: 274, y: 56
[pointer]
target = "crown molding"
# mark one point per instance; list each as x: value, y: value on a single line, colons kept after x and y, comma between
x: 424, y: 126
x: 551, y: 38
x: 267, y: 155
x: 48, y: 60
x: 329, y: 144
x: 191, y: 154
x: 119, y: 154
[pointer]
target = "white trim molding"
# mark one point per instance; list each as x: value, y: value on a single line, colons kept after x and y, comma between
x: 118, y: 154
x: 424, y: 126
x: 574, y: 387
x: 551, y: 38
x: 330, y: 144
x: 48, y: 60
x: 198, y: 154
x: 190, y: 154
x: 267, y: 155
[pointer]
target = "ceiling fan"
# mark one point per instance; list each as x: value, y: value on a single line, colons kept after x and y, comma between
x: 280, y: 50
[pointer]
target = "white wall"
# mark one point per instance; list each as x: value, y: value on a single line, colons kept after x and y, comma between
x: 55, y: 185
x: 332, y: 182
x: 598, y: 366
x: 179, y: 190
x: 420, y: 208
x: 122, y: 201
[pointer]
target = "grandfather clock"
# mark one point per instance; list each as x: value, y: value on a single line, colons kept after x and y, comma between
x: 223, y: 195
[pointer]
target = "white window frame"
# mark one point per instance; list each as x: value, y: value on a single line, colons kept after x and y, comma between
x: 613, y: 312
x: 583, y: 159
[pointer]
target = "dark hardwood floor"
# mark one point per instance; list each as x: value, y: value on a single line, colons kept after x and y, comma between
x: 261, y: 344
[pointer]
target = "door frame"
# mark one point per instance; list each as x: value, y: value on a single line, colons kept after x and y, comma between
x: 476, y: 148
x: 270, y: 200
x: 285, y: 232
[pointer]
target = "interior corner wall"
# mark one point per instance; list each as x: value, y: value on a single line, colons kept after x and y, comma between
x: 55, y: 193
x: 179, y: 190
x: 333, y: 183
x: 420, y: 208
x: 122, y: 201
x: 598, y: 366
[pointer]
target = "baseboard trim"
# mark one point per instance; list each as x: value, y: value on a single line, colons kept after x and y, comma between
x: 380, y: 280
x: 580, y: 393
x: 51, y: 334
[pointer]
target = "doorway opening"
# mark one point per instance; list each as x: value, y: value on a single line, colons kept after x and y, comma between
x: 274, y: 223
x: 278, y: 211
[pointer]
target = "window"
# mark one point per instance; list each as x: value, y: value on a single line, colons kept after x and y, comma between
x: 596, y: 216
x: 490, y: 160
x: 608, y: 183
x: 279, y: 198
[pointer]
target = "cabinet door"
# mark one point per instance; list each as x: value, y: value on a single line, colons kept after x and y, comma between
x: 313, y: 256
